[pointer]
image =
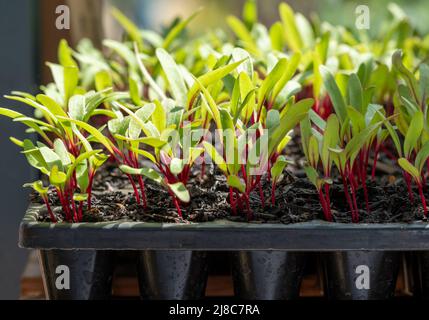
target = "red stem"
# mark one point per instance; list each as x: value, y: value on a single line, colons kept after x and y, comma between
x: 136, y: 192
x: 326, y: 210
x: 407, y: 179
x: 80, y: 212
x: 422, y: 197
x: 261, y: 194
x: 176, y: 203
x: 89, y: 189
x: 273, y: 193
x: 142, y: 189
x: 232, y: 201
x: 51, y: 214
x: 374, y: 166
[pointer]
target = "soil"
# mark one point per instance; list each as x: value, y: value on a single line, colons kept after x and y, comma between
x: 296, y: 201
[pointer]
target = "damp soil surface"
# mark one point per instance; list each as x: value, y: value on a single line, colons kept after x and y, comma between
x: 296, y: 201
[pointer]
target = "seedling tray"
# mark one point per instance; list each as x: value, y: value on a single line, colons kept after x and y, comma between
x: 222, y: 235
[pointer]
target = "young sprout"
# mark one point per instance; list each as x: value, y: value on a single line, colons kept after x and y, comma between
x: 412, y: 109
x: 66, y: 173
x: 416, y: 171
x: 166, y: 134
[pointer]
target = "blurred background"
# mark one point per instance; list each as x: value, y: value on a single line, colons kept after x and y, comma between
x: 28, y: 38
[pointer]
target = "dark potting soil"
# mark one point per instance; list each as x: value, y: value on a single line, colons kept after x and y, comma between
x: 296, y: 201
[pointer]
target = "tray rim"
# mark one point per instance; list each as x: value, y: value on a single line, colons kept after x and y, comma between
x: 221, y: 235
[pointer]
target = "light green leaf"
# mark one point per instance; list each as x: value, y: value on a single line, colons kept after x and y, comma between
x: 56, y: 177
x: 413, y: 134
x: 38, y: 187
x: 177, y: 29
x: 176, y: 166
x: 180, y: 191
x: 278, y: 167
x: 355, y: 92
x: 215, y: 156
x: 334, y: 93
x: 147, y: 172
x: 174, y: 76
x: 235, y: 182
x: 290, y: 28
x: 77, y: 107
x: 132, y: 30
x: 408, y: 167
x: 93, y: 131
x: 61, y: 150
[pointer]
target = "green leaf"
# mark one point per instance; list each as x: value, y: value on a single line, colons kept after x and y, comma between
x: 313, y: 151
x: 273, y: 119
x: 180, y: 191
x: 56, y: 177
x: 408, y: 167
x: 146, y: 75
x: 407, y: 75
x: 50, y: 157
x: 65, y: 54
x: 292, y: 66
x: 159, y: 117
x: 38, y: 187
x: 413, y: 134
x: 330, y: 140
x: 422, y: 157
x: 135, y: 90
x: 277, y: 36
x: 216, y: 157
x: 235, y: 182
x: 77, y: 107
x: 150, y: 141
x: 241, y: 55
x: 290, y: 28
x: 289, y: 121
x: 19, y: 143
x: 177, y: 29
x: 93, y: 131
x: 81, y: 158
x: 194, y: 154
x: 355, y: 92
x: 103, y: 80
x: 66, y: 80
x: 250, y: 13
x: 176, y: 166
x: 51, y: 105
x: 132, y: 30
x: 358, y: 141
x: 147, y: 172
x: 334, y: 93
x: 34, y: 156
x: 145, y: 154
x: 61, y: 150
x: 313, y: 176
x: 138, y: 120
x: 174, y: 76
x: 80, y: 197
x: 278, y: 167
x: 393, y: 134
x: 212, y: 107
x: 82, y: 176
x: 271, y: 80
x: 424, y: 81
x: 244, y: 35
x: 210, y: 78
